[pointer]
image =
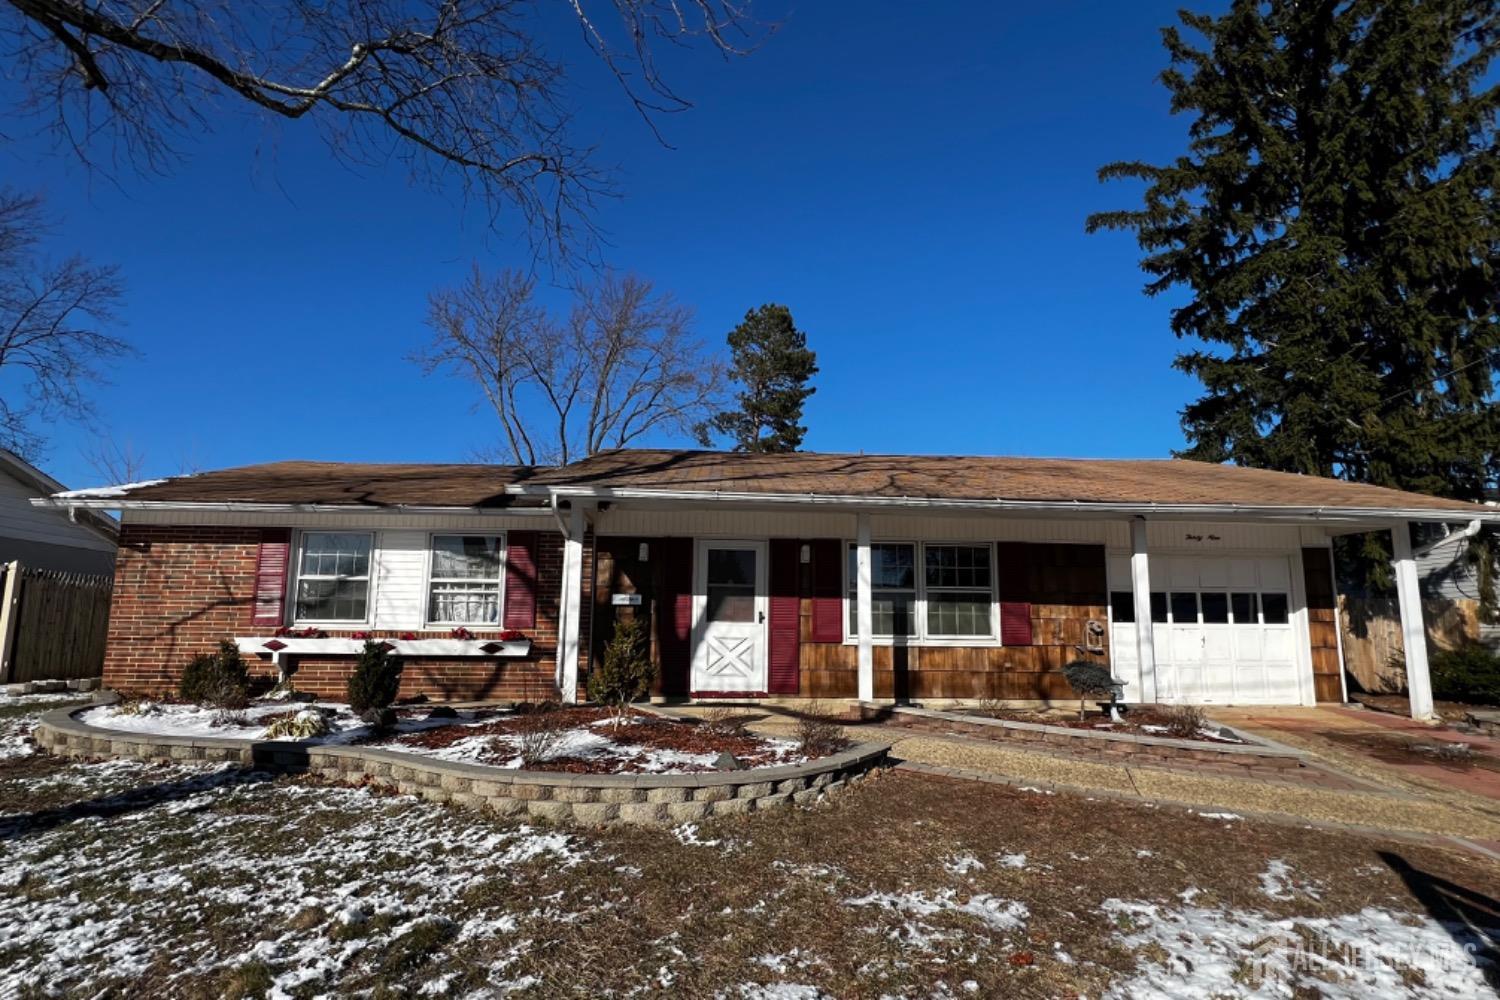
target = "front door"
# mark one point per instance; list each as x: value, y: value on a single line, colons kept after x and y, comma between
x: 729, y: 637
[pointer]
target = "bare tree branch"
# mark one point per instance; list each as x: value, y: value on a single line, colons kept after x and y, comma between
x: 622, y: 364
x: 52, y: 346
x: 445, y: 86
x: 115, y: 462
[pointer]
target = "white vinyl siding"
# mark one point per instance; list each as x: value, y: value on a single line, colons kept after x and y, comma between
x: 400, y: 571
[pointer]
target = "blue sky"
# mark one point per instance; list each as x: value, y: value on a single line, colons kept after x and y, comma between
x: 914, y: 188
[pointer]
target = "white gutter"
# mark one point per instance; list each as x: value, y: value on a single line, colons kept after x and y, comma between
x: 1077, y: 507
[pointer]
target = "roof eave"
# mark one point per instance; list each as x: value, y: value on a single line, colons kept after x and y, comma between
x: 1050, y: 507
x: 242, y: 506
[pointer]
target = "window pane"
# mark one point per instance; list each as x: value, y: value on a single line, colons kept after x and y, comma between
x: 465, y: 603
x: 328, y: 553
x: 735, y: 567
x: 892, y: 613
x: 331, y: 600
x: 958, y: 614
x: 1122, y: 607
x: 1184, y: 608
x: 476, y: 557
x: 1215, y: 609
x: 1159, y: 607
x: 729, y: 603
x: 966, y: 566
x: 1274, y: 607
x: 1243, y: 606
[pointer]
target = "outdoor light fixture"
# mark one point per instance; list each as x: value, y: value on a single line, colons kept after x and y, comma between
x: 645, y: 552
x: 805, y: 554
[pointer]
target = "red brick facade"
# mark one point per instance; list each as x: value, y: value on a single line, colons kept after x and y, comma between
x: 179, y: 590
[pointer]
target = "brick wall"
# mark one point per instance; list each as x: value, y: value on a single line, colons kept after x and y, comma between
x: 179, y: 590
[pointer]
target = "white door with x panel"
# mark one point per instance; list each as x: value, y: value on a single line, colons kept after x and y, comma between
x: 729, y: 634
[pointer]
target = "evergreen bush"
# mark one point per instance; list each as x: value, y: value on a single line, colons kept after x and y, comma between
x: 626, y: 671
x: 375, y: 681
x: 1469, y: 674
x: 218, y: 680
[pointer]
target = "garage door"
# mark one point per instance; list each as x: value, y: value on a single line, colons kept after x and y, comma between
x: 1221, y: 628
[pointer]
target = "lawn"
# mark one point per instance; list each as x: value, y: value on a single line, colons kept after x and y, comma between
x: 120, y: 878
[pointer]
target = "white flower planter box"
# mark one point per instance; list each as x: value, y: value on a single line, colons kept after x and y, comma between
x: 339, y: 646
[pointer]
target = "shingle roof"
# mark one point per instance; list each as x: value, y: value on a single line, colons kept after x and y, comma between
x: 927, y: 477
x: 970, y: 477
x: 334, y: 483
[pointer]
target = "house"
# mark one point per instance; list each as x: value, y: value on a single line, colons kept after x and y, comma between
x: 806, y: 575
x: 81, y: 541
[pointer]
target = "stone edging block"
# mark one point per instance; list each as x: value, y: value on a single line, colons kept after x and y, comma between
x: 590, y: 799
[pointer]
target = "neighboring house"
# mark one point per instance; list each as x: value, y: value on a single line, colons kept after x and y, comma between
x: 1450, y: 580
x: 81, y: 541
x: 803, y: 575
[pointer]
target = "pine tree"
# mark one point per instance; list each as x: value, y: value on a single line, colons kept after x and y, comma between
x: 1336, y: 224
x: 773, y: 364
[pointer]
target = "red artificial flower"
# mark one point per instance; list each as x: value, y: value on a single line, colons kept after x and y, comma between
x: 460, y: 633
x: 408, y: 635
x: 511, y: 635
x: 360, y: 635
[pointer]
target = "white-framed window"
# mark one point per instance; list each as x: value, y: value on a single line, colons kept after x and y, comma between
x: 926, y: 591
x: 333, y: 577
x: 466, y: 580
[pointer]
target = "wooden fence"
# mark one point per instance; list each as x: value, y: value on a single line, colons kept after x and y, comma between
x: 52, y: 624
x: 1374, y: 651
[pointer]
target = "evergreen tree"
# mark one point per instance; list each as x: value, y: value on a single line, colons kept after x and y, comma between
x: 773, y: 364
x: 1335, y: 222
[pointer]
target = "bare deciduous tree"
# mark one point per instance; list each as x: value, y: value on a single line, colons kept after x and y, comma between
x: 52, y: 315
x: 114, y: 461
x: 447, y: 86
x: 623, y: 363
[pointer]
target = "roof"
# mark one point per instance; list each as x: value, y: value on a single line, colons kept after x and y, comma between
x: 328, y: 484
x: 963, y: 479
x: 981, y: 478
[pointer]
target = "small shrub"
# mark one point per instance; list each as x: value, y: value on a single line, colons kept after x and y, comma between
x: 1469, y: 674
x: 1089, y: 680
x: 303, y: 725
x: 137, y: 706
x: 218, y: 680
x: 626, y: 671
x: 539, y: 737
x: 819, y: 733
x: 249, y: 979
x: 721, y: 721
x: 1183, y: 721
x: 374, y: 683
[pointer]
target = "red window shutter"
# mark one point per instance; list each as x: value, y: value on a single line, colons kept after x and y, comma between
x: 1015, y: 593
x: 520, y: 579
x: 827, y: 590
x: 785, y: 654
x: 674, y: 612
x: 1015, y: 623
x: 268, y: 608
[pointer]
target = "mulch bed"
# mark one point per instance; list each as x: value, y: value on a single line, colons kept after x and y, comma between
x: 649, y: 732
x: 1136, y: 719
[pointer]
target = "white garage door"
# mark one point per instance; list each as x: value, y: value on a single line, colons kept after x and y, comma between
x: 1221, y: 627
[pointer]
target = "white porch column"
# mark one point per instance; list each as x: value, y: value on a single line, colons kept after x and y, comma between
x: 863, y: 614
x: 1413, y: 631
x: 568, y: 606
x: 1140, y: 588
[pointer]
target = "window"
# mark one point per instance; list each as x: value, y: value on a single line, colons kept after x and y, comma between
x: 933, y: 591
x: 1184, y: 608
x: 958, y: 590
x: 464, y: 585
x: 1122, y: 607
x: 333, y: 577
x: 1158, y: 607
x: 1273, y: 609
x: 1215, y: 607
x: 893, y: 589
x: 731, y: 585
x: 1243, y: 605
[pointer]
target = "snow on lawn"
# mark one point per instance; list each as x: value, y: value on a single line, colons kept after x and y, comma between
x: 992, y: 911
x: 246, y: 724
x: 18, y: 715
x: 1195, y: 951
x: 308, y: 882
